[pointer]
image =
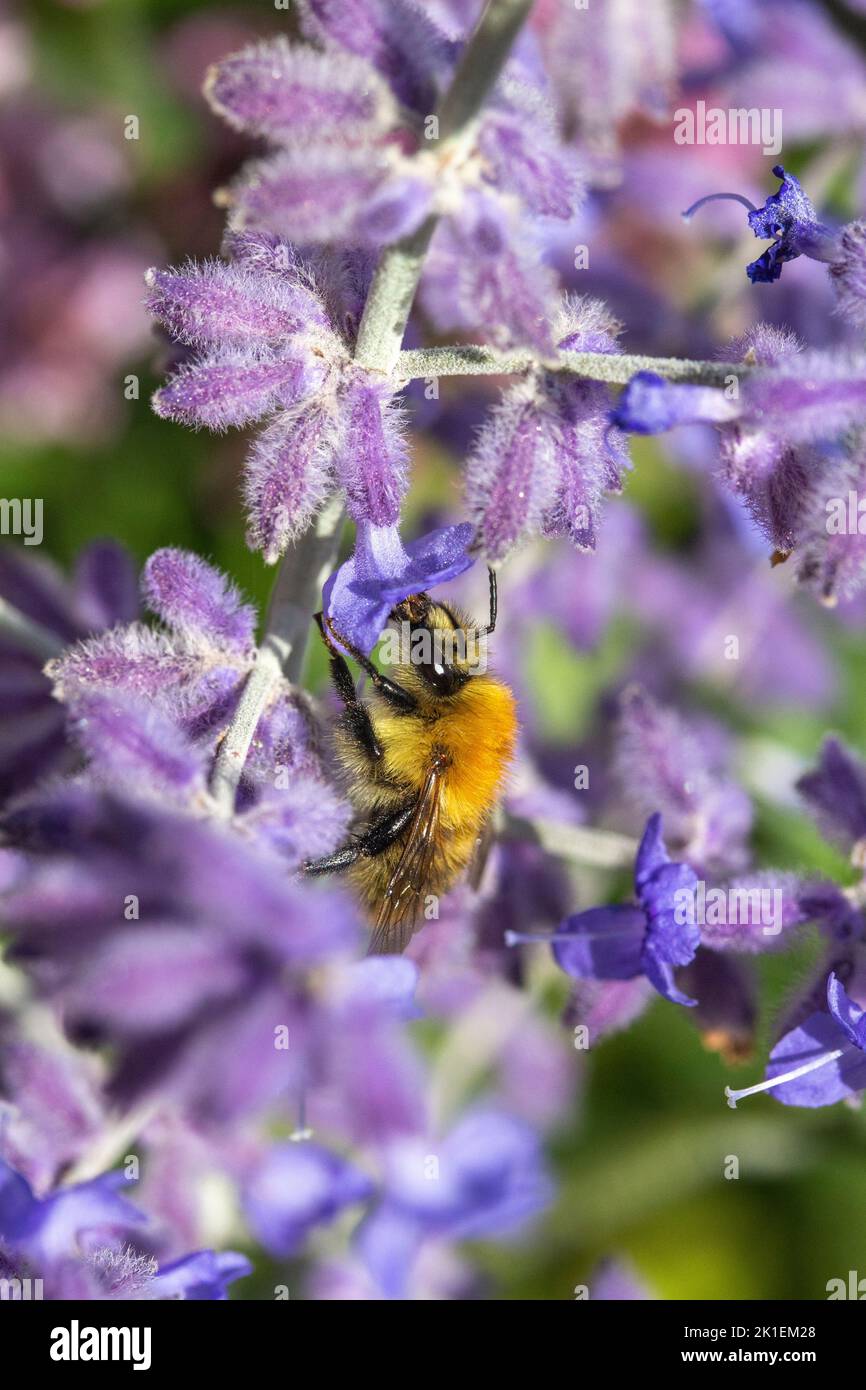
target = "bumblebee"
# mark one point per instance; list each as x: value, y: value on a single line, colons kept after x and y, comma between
x: 425, y: 760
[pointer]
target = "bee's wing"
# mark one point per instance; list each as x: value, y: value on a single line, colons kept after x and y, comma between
x: 398, y: 914
x: 481, y: 854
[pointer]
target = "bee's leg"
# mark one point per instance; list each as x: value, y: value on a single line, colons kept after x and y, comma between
x: 383, y: 832
x: 357, y: 716
x: 374, y: 840
x: 334, y: 863
x: 390, y: 690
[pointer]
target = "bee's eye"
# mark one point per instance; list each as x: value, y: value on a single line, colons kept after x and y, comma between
x: 441, y: 678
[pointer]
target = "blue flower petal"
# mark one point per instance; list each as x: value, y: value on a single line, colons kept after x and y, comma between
x: 202, y: 1275
x: 849, y: 1016
x: 785, y: 211
x: 838, y: 1080
x: 660, y: 974
x: 603, y: 943
x: 359, y: 596
x: 651, y: 853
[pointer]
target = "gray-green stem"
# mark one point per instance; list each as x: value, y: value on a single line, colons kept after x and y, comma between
x: 280, y: 657
x: 478, y: 360
x: 580, y: 844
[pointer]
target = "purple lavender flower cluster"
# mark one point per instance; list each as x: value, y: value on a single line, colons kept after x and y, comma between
x: 180, y: 1007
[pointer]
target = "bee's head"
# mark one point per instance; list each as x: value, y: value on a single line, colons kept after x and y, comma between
x: 445, y: 648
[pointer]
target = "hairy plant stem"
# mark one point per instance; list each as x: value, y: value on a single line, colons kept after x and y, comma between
x: 305, y: 567
x: 294, y: 597
x: 478, y: 360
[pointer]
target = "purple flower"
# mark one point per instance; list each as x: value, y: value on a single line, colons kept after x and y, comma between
x: 727, y: 1011
x: 148, y: 708
x: 49, y: 1099
x: 360, y: 196
x: 247, y: 302
x: 203, y: 1275
x: 519, y: 143
x: 485, y: 1179
x: 806, y: 396
x: 178, y: 941
x: 193, y: 671
x: 605, y: 67
x: 338, y: 172
x: 821, y: 1061
x: 753, y: 913
x: 835, y: 792
x: 788, y: 219
x: 410, y: 51
x: 289, y: 475
x: 298, y: 1186
x: 484, y: 274
x: 376, y: 1086
x: 512, y: 473
x: 382, y: 572
x: 650, y: 405
x: 663, y: 762
x: 75, y: 1242
x: 100, y: 593
x: 373, y: 469
x: 546, y: 454
x: 623, y: 941
x: 137, y: 750
x: 197, y: 601
x: 831, y: 548
x: 773, y: 476
x: 770, y: 422
x: 848, y: 273
x: 799, y: 59
x: 350, y: 166
x: 126, y: 739
x: 272, y: 340
x: 278, y: 90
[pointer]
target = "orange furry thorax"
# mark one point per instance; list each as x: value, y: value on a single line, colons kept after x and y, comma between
x: 475, y: 731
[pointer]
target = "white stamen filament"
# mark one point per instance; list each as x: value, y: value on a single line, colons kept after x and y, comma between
x: 715, y: 198
x: 822, y: 1061
x: 532, y: 938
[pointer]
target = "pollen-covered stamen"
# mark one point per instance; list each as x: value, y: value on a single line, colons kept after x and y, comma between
x: 824, y: 1060
x: 715, y: 198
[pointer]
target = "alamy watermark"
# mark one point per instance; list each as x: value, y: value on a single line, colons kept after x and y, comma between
x: 730, y: 907
x: 713, y: 125
x: 22, y: 516
x: 77, y: 1343
x: 846, y: 516
x: 852, y: 1287
x: 20, y: 1290
x: 436, y: 647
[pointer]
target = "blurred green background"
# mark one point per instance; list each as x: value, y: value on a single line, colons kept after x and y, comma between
x: 641, y: 1166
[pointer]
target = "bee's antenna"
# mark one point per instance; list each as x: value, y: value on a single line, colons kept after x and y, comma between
x: 492, y: 624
